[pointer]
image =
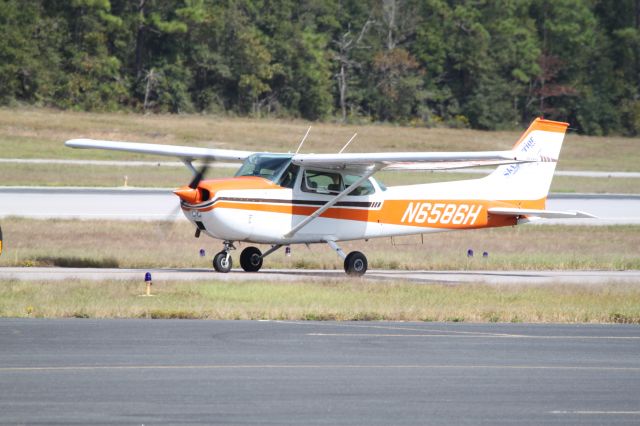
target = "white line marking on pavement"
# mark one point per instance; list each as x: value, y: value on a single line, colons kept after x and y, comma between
x: 390, y: 327
x: 512, y: 336
x: 633, y: 413
x: 315, y: 366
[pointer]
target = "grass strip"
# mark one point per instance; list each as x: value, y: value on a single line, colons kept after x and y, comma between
x: 137, y: 244
x: 40, y: 133
x: 329, y: 300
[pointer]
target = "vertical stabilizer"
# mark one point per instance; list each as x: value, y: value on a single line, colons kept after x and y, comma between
x: 530, y: 181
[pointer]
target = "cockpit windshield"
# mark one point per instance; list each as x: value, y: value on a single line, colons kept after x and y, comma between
x: 268, y: 166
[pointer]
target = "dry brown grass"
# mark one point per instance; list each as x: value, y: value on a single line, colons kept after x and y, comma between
x: 331, y: 300
x: 154, y: 244
x: 40, y: 133
x: 100, y: 176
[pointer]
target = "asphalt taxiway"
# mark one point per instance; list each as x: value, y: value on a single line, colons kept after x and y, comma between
x: 280, y: 275
x: 279, y: 372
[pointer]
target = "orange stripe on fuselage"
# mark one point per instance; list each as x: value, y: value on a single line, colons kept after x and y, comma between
x: 446, y: 214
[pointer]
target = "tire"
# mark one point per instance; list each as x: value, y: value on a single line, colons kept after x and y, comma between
x: 355, y: 264
x: 220, y: 263
x: 251, y: 259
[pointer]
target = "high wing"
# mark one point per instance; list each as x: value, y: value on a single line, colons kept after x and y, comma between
x: 185, y: 153
x: 410, y: 160
x: 357, y: 163
x: 546, y: 214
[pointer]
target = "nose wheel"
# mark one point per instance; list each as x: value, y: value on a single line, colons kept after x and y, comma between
x: 222, y: 262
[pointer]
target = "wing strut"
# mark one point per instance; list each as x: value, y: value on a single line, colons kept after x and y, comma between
x: 189, y: 165
x: 334, y: 200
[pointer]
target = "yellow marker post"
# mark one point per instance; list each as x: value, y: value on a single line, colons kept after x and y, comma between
x: 149, y: 282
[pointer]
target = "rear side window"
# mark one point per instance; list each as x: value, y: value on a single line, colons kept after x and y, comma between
x: 322, y: 182
x: 365, y: 188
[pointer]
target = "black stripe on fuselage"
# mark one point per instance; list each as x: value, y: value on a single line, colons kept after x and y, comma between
x: 360, y: 204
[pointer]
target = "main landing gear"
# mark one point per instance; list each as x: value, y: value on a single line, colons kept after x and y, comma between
x: 355, y: 263
x: 250, y: 258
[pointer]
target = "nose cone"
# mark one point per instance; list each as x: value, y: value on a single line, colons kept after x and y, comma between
x: 186, y: 194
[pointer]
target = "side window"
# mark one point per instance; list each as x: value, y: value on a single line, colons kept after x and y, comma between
x: 322, y: 182
x: 366, y: 188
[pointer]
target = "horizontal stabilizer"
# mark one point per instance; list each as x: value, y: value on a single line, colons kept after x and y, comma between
x: 546, y: 214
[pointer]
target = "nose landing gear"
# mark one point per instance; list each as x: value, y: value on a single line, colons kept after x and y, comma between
x: 222, y: 262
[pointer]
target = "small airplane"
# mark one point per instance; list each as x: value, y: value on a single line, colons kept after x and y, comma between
x: 283, y: 198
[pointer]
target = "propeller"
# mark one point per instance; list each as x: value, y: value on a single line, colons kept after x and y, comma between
x: 199, y: 175
x: 190, y: 193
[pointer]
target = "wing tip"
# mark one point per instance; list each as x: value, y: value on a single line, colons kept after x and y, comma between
x: 76, y: 143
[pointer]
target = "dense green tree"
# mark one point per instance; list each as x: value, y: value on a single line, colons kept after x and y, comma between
x: 620, y: 44
x: 30, y: 54
x: 487, y: 64
x: 568, y: 30
x: 93, y: 77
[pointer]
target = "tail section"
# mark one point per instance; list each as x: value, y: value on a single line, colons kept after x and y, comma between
x: 530, y: 181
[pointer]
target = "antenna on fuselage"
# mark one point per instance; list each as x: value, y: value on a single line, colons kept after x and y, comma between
x: 347, y: 144
x: 303, y: 139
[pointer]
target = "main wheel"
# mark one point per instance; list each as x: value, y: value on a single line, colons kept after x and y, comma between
x: 251, y: 259
x: 221, y: 262
x: 355, y: 264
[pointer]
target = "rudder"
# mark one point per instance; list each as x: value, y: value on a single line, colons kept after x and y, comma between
x: 530, y: 181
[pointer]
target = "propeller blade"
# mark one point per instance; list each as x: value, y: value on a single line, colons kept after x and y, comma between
x: 199, y: 176
x: 196, y: 179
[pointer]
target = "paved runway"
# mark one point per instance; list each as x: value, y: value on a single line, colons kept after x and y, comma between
x: 161, y: 204
x: 242, y: 372
x: 422, y: 277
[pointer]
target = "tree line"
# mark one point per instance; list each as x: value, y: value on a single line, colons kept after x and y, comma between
x: 485, y: 64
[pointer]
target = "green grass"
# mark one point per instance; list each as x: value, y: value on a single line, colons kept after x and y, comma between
x: 153, y: 244
x: 331, y: 300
